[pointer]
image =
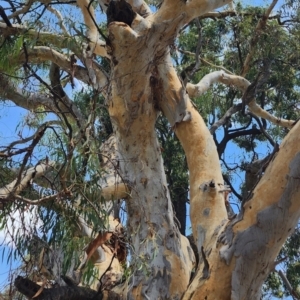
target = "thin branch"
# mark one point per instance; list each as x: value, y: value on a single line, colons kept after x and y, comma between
x: 60, y: 19
x: 29, y: 3
x: 22, y: 98
x: 231, y: 111
x: 26, y: 140
x: 222, y: 145
x: 205, y: 61
x: 49, y: 38
x: 232, y: 188
x: 262, y: 129
x: 257, y: 32
x: 232, y: 13
x: 287, y: 284
x: 62, y: 114
x: 43, y: 199
x: 96, y: 45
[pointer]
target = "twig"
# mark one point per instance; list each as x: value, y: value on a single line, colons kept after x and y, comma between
x: 287, y: 284
x: 260, y: 26
x: 100, y: 279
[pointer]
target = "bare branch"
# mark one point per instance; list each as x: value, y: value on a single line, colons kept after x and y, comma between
x: 187, y: 10
x: 43, y: 199
x: 260, y: 26
x: 96, y: 45
x: 232, y: 13
x: 9, y: 148
x: 200, y: 7
x: 206, y: 61
x: 242, y: 84
x: 34, y: 172
x: 231, y: 111
x: 287, y: 284
x: 28, y: 5
x: 33, y: 101
x: 42, y: 53
x: 59, y: 41
x: 24, y: 99
x: 60, y: 19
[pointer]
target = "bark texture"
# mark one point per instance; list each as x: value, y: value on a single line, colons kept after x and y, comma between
x: 160, y: 247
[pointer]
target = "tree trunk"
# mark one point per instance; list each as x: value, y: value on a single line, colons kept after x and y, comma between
x: 158, y: 249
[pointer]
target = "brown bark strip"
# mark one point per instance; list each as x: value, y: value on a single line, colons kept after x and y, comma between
x: 97, y: 242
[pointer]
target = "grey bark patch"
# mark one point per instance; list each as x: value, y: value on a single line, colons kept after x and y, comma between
x: 226, y: 253
x: 205, y: 270
x: 201, y: 232
x: 203, y: 187
x: 187, y: 117
x: 218, y: 228
x: 170, y: 240
x: 255, y: 246
x: 206, y: 212
x: 226, y: 238
x: 179, y: 114
x: 209, y: 186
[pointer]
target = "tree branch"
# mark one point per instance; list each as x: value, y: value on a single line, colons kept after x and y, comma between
x: 205, y: 61
x: 287, y: 284
x: 42, y: 200
x: 40, y: 54
x: 60, y: 19
x: 28, y: 4
x: 231, y: 111
x: 206, y: 179
x: 7, y: 150
x: 57, y: 40
x: 96, y: 45
x: 187, y: 10
x: 24, y: 99
x: 195, y: 90
x: 29, y: 289
x: 260, y: 26
x: 16, y: 186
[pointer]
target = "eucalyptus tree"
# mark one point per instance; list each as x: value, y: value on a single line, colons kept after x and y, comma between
x: 106, y: 103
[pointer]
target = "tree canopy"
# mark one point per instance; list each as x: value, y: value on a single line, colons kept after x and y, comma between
x: 157, y: 147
